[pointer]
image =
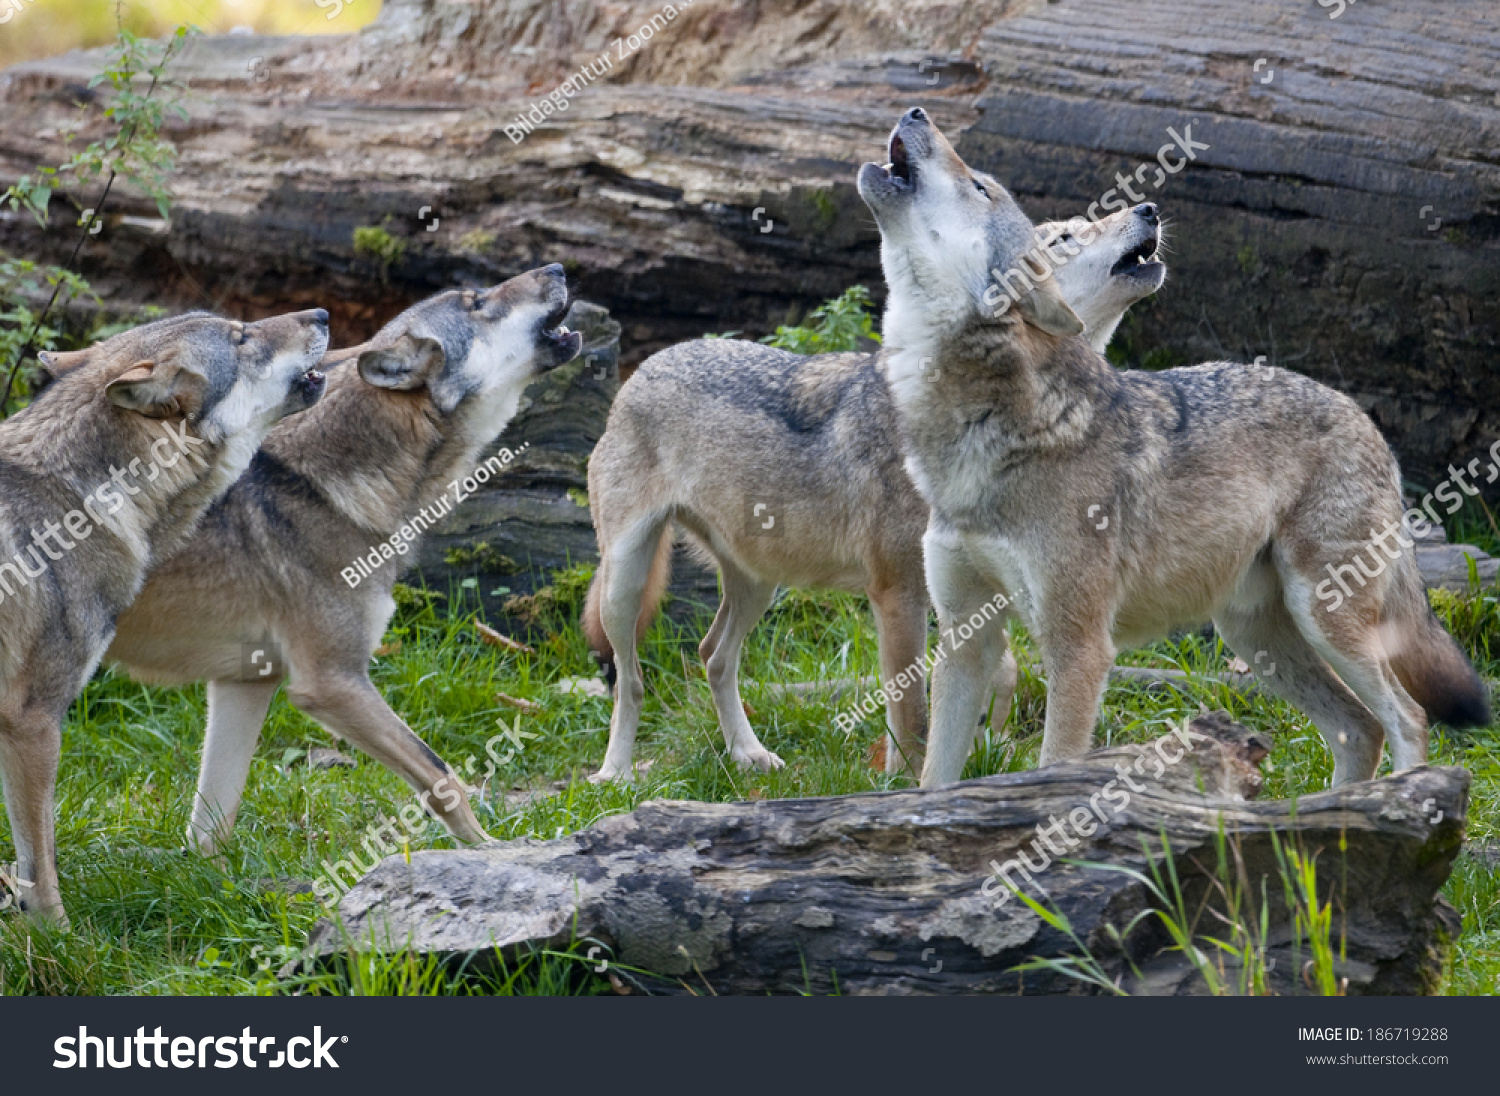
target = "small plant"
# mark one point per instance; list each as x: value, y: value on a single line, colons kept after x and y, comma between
x: 836, y: 325
x: 477, y: 240
x: 531, y: 609
x: 1228, y: 953
x: 376, y: 243
x: 134, y: 150
x: 480, y: 554
x: 571, y: 585
x: 1472, y: 618
x: 411, y: 601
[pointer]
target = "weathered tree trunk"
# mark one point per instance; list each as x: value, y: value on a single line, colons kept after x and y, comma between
x: 892, y: 892
x: 1343, y: 220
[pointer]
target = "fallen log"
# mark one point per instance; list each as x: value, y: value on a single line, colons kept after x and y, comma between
x: 894, y: 892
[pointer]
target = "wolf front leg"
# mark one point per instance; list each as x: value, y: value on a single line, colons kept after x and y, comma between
x: 236, y: 711
x: 30, y: 745
x: 901, y: 622
x: 1077, y: 654
x: 971, y: 644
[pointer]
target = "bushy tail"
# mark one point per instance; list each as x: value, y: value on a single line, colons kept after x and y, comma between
x: 1432, y: 668
x: 656, y: 586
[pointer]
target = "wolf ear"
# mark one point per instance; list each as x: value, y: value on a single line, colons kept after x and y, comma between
x: 405, y: 366
x: 59, y: 362
x: 1043, y: 307
x: 157, y: 390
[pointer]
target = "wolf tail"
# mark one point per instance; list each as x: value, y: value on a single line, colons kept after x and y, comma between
x: 656, y: 585
x: 1427, y: 661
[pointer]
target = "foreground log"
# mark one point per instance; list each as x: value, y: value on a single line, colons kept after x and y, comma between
x: 891, y: 892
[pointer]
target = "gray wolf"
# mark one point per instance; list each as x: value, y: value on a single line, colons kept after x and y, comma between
x: 1113, y: 506
x: 783, y: 470
x: 114, y: 463
x: 406, y: 413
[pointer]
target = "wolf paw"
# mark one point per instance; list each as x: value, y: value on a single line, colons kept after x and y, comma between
x: 762, y: 758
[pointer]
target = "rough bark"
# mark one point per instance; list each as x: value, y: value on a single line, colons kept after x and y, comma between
x: 883, y: 893
x: 1343, y: 221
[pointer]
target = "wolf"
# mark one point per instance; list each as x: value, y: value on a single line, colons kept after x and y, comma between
x: 782, y: 471
x: 270, y: 569
x: 114, y: 463
x: 1112, y: 506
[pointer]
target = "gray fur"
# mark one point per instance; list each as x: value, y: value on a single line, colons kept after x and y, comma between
x: 706, y: 432
x: 266, y: 568
x: 1114, y: 506
x: 89, y: 458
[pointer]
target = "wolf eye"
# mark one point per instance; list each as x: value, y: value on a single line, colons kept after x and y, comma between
x: 980, y: 187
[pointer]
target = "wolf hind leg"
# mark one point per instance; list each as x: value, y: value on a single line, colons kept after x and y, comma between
x: 624, y: 573
x: 1003, y: 684
x: 745, y: 601
x: 348, y: 704
x: 1269, y: 641
x: 1350, y: 639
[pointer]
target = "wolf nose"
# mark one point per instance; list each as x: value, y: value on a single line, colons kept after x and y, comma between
x: 915, y: 114
x: 1146, y: 211
x: 320, y: 316
x: 553, y: 270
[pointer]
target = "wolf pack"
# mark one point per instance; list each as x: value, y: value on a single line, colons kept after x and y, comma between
x: 201, y: 484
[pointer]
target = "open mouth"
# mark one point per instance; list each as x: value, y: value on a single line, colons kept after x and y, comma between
x: 1141, y: 255
x: 553, y: 329
x: 899, y: 168
x: 310, y: 384
x: 563, y: 345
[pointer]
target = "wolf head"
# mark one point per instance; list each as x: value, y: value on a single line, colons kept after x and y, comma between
x: 226, y: 377
x: 953, y: 243
x: 1103, y: 267
x: 475, y: 343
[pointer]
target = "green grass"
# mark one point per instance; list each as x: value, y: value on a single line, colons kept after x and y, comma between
x: 148, y: 919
